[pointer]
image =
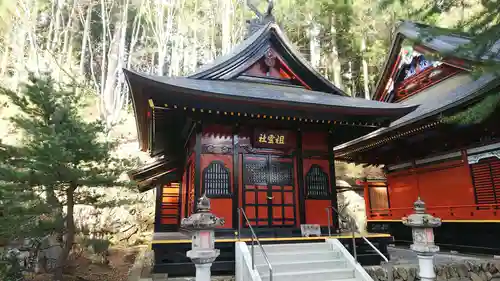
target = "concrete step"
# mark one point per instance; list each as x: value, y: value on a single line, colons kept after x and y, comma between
x: 301, y: 265
x: 297, y: 247
x: 310, y: 275
x: 284, y: 257
x: 343, y: 279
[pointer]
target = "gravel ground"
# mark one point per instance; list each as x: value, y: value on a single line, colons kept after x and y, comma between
x: 214, y: 278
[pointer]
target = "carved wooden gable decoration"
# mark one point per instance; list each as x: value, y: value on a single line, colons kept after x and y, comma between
x: 267, y: 56
x: 273, y: 68
x: 414, y: 71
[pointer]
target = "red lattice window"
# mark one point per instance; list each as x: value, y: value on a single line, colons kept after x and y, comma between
x: 169, y: 207
x: 486, y: 180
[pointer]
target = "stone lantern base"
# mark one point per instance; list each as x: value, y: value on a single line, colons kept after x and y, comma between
x: 426, y: 265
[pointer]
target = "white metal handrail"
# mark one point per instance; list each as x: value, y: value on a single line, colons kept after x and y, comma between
x: 352, y: 223
x: 353, y: 230
x: 254, y: 238
x: 375, y: 248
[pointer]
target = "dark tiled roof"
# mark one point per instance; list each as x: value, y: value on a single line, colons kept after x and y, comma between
x: 441, y: 40
x: 438, y: 39
x: 448, y: 42
x: 147, y: 174
x: 234, y: 53
x: 270, y: 94
x: 431, y: 105
x: 231, y: 66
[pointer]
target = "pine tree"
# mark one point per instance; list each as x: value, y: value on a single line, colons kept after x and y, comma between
x: 41, y: 178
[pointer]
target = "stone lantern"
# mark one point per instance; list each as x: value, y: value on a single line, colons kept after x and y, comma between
x: 422, y: 225
x: 201, y: 226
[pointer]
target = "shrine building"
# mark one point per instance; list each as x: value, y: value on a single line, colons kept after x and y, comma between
x: 254, y: 131
x: 447, y: 151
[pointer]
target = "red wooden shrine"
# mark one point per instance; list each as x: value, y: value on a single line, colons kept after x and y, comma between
x: 258, y: 170
x: 251, y: 133
x: 453, y: 167
x: 254, y: 131
x: 264, y: 164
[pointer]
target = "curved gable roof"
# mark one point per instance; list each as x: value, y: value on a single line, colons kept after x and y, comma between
x: 442, y: 41
x: 248, y: 52
x: 436, y: 41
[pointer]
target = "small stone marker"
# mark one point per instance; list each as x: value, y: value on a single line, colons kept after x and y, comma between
x: 308, y: 230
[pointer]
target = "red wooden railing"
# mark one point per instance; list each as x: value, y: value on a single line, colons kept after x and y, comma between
x: 455, y: 212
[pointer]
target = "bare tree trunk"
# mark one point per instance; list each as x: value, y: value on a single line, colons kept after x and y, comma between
x: 85, y: 38
x: 186, y: 60
x: 178, y: 44
x: 70, y: 233
x: 207, y: 38
x: 29, y: 18
x: 191, y: 51
x: 161, y: 28
x: 119, y: 97
x: 59, y: 5
x: 162, y: 50
x: 213, y: 48
x: 136, y: 31
x: 6, y: 53
x: 67, y: 33
x: 93, y: 76
x: 26, y: 14
x: 175, y: 61
x: 334, y: 55
x: 51, y: 25
x: 19, y: 54
x: 226, y: 25
x: 194, y: 48
x: 350, y: 91
x: 69, y: 52
x: 104, y: 23
x: 366, y: 79
x: 314, y: 44
x: 112, y: 96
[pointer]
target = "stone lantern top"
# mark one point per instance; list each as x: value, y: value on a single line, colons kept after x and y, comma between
x: 203, y: 219
x: 419, y: 206
x: 203, y: 205
x: 420, y: 218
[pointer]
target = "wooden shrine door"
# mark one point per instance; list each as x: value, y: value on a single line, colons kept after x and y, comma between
x: 269, y: 190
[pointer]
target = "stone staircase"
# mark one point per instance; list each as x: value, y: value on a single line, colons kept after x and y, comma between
x: 308, y: 262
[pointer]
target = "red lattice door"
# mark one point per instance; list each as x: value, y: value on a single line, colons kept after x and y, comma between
x: 268, y: 191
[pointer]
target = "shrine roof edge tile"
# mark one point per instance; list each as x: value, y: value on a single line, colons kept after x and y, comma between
x: 252, y: 90
x: 459, y: 96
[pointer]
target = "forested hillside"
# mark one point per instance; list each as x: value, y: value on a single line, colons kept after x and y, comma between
x: 92, y: 40
x: 83, y: 45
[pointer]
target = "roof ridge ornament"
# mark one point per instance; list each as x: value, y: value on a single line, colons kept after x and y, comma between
x: 261, y: 19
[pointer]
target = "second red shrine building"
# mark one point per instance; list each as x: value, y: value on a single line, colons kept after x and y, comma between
x: 447, y: 151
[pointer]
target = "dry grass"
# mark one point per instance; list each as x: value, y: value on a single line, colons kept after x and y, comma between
x: 120, y: 262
